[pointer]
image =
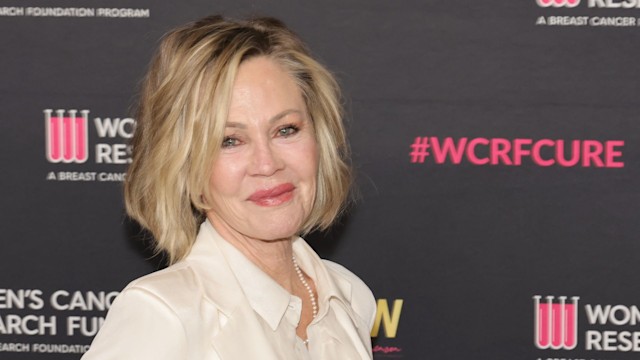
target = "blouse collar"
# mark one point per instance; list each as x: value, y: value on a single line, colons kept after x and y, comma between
x: 222, y: 266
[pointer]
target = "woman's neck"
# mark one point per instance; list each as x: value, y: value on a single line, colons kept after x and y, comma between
x: 274, y: 257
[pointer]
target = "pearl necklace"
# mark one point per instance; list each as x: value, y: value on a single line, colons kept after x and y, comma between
x: 304, y: 282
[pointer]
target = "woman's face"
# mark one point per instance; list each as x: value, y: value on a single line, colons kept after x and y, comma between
x: 263, y: 181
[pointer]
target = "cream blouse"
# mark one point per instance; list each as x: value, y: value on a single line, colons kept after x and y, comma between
x: 217, y: 305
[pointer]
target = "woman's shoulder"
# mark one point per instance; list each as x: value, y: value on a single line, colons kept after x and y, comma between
x: 340, y: 271
x: 160, y: 308
x: 362, y: 300
x: 176, y: 288
x: 159, y: 293
x: 165, y: 282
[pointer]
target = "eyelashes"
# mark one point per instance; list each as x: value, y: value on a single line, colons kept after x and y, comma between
x: 230, y: 141
x: 288, y: 130
x: 283, y: 131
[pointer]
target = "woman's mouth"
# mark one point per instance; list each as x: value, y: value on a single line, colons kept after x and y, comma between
x: 274, y: 196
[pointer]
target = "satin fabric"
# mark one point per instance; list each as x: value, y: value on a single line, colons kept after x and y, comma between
x: 196, y: 309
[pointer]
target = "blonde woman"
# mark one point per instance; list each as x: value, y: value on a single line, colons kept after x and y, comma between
x: 239, y: 149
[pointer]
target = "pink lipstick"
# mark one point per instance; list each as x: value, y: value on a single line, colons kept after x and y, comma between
x: 272, y: 197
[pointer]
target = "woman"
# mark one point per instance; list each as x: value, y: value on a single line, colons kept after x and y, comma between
x: 239, y: 147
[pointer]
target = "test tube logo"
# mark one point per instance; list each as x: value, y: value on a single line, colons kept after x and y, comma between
x: 556, y: 323
x: 66, y: 136
x: 558, y: 3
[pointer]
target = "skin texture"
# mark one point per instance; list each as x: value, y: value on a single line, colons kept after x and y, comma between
x: 263, y: 182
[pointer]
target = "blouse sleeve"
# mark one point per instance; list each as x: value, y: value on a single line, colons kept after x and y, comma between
x: 139, y: 326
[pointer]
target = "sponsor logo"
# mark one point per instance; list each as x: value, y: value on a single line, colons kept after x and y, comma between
x: 556, y: 323
x: 67, y: 141
x: 66, y: 136
x: 558, y: 3
x: 387, y: 319
x: 605, y: 327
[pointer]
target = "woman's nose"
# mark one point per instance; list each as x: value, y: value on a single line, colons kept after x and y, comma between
x: 266, y: 160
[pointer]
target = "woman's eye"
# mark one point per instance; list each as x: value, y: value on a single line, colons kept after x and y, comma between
x: 229, y: 142
x: 287, y: 130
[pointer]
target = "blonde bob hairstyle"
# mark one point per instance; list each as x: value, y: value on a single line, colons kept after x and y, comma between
x: 181, y: 118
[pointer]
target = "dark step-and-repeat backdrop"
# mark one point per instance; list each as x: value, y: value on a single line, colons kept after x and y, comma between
x: 495, y: 144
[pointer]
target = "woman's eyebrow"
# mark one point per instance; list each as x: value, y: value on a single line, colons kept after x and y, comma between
x: 239, y: 125
x: 283, y: 114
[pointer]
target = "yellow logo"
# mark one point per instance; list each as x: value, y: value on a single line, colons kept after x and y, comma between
x: 388, y: 319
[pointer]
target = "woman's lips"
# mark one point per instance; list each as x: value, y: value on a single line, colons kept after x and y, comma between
x: 275, y: 196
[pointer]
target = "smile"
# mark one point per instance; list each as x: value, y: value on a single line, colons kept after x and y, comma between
x: 272, y: 197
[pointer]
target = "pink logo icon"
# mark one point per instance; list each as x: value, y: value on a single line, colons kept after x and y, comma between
x: 558, y: 3
x: 556, y: 323
x: 66, y: 136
